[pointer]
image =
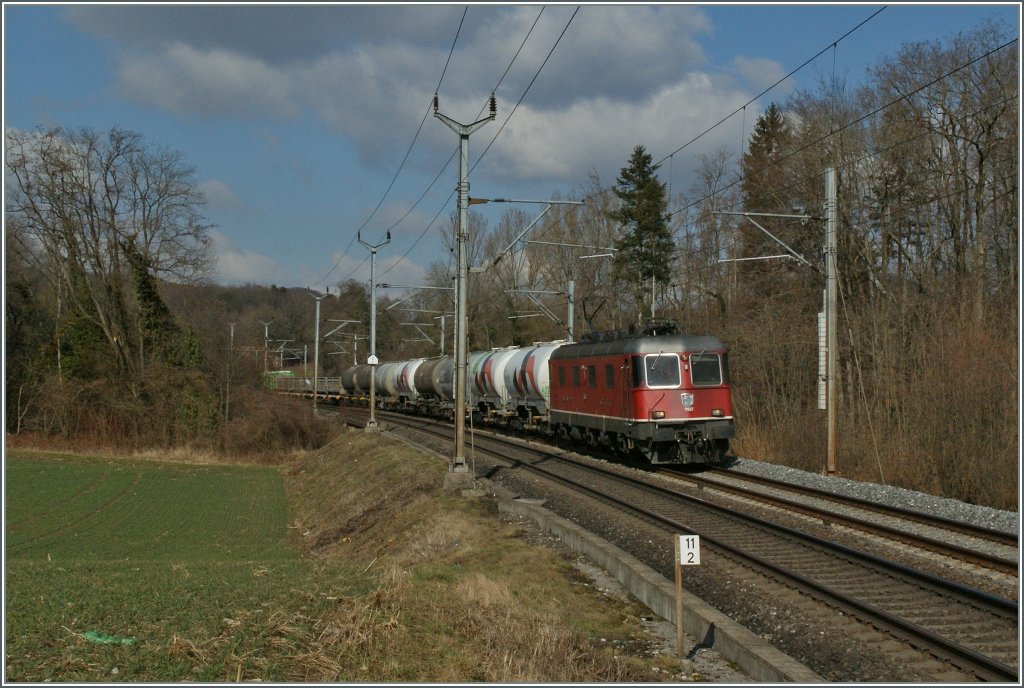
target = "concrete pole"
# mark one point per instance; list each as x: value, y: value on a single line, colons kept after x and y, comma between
x: 571, y: 293
x: 831, y: 288
x: 316, y: 346
x: 458, y: 464
x: 266, y: 342
x: 372, y: 359
x: 227, y: 390
x: 462, y: 300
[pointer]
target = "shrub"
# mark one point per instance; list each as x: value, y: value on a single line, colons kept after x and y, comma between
x: 264, y: 425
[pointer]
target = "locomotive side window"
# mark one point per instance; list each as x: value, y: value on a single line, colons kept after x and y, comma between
x: 662, y: 370
x: 575, y: 376
x: 706, y: 370
x: 637, y: 367
x: 609, y: 376
x: 561, y: 376
x: 592, y: 376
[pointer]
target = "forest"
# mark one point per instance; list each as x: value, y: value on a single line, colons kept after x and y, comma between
x: 115, y: 335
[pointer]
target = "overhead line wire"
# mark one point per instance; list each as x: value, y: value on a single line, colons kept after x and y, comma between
x: 496, y: 86
x: 528, y: 87
x: 754, y: 99
x: 856, y: 161
x: 848, y: 125
x: 455, y: 151
x: 740, y: 109
x: 605, y: 190
x: 408, y: 151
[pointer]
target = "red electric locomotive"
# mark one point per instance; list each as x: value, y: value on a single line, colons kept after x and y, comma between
x: 653, y: 390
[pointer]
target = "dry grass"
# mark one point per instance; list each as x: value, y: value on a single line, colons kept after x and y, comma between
x: 458, y: 595
x: 402, y: 582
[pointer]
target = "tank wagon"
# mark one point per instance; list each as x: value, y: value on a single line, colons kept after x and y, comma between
x: 527, y: 383
x: 434, y: 382
x: 487, y: 373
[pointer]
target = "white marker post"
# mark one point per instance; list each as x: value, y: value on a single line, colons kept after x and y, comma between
x: 687, y: 554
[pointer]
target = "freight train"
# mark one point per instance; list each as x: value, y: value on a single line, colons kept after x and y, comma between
x: 649, y: 391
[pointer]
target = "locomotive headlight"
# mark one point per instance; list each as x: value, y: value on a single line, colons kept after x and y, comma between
x: 687, y: 399
x: 717, y: 413
x: 657, y: 415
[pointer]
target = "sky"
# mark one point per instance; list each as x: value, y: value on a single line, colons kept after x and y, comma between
x: 306, y: 124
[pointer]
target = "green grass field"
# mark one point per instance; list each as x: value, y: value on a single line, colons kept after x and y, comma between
x: 350, y: 564
x: 186, y: 567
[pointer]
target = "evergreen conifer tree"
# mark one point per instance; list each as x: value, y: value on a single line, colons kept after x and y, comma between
x: 644, y: 249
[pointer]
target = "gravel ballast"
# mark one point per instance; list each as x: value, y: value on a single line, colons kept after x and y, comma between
x: 1007, y: 521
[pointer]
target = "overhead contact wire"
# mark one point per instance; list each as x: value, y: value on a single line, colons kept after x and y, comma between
x: 455, y: 151
x: 401, y: 166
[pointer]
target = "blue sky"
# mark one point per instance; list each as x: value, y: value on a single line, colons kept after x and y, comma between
x: 297, y: 119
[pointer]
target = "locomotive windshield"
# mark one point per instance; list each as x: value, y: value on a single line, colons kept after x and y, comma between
x: 705, y: 370
x: 662, y: 370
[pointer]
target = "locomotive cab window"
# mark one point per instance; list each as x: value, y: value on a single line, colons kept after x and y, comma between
x: 662, y: 370
x: 706, y: 370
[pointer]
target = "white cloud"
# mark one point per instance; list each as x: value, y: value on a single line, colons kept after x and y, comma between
x: 185, y: 80
x: 760, y: 73
x: 376, y: 90
x: 601, y: 134
x: 622, y: 76
x: 240, y: 266
x: 220, y: 196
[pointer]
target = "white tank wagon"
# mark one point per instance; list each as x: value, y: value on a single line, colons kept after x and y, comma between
x: 405, y: 381
x: 528, y: 383
x: 488, y: 378
x: 385, y: 380
x: 473, y: 364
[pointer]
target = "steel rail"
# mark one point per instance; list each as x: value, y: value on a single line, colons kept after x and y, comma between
x: 1001, y: 564
x: 998, y: 536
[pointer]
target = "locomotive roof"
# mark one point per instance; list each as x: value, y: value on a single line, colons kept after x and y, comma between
x: 671, y: 343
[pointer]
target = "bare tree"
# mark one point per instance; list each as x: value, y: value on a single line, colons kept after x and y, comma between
x: 108, y: 215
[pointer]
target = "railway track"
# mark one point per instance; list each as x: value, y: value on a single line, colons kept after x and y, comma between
x: 957, y: 625
x: 961, y: 542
